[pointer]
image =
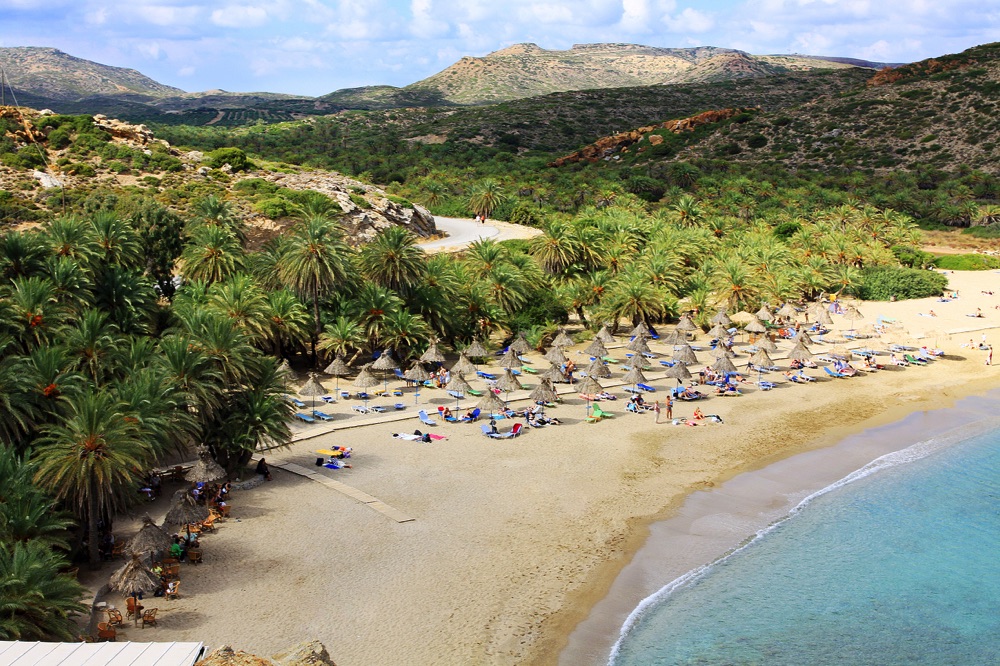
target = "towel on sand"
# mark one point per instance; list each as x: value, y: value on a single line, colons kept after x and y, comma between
x: 416, y: 438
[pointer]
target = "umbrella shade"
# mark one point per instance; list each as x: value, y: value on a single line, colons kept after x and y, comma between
x: 365, y: 379
x: 804, y: 337
x: 312, y: 388
x: 722, y: 319
x: 432, y: 355
x: 641, y: 330
x: 634, y: 376
x: 767, y: 345
x: 764, y: 314
x: 823, y: 315
x: 724, y: 365
x: 337, y: 367
x: 761, y: 359
x: 491, y: 403
x: 604, y: 335
x: 510, y: 360
x: 744, y: 317
x: 184, y: 510
x: 674, y: 337
x: 463, y: 365
x: 800, y: 353
x: 590, y: 385
x: 458, y: 383
x: 638, y: 345
x: 508, y: 382
x: 598, y: 368
x: 755, y: 326
x: 639, y: 361
x: 718, y: 331
x: 555, y: 355
x: 554, y: 374
x: 596, y: 348
x: 520, y: 344
x: 544, y: 392
x: 477, y: 349
x: 719, y: 352
x: 853, y: 314
x: 684, y: 354
x: 563, y: 339
x: 685, y: 324
x: 788, y: 310
x: 679, y: 372
x: 841, y: 352
x: 284, y: 370
x: 385, y: 362
x: 418, y: 373
x: 134, y: 577
x: 151, y: 539
x: 205, y: 470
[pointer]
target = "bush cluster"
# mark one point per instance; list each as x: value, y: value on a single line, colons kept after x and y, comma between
x: 884, y: 283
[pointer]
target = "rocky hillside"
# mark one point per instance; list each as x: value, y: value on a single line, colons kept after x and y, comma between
x: 46, y: 159
x: 526, y: 70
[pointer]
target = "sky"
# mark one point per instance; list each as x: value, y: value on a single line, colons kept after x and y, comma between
x: 312, y: 47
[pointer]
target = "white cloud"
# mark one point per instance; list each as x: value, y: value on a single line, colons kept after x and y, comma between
x: 186, y: 71
x: 425, y: 25
x: 689, y: 20
x: 240, y: 16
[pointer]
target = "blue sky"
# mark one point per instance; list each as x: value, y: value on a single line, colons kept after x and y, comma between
x: 313, y: 47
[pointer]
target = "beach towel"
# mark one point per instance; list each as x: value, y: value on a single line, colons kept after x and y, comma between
x: 417, y: 438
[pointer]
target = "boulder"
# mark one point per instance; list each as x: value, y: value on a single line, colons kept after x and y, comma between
x: 310, y: 653
x: 227, y: 656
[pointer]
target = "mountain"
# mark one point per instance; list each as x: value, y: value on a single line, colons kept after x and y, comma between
x: 526, y: 70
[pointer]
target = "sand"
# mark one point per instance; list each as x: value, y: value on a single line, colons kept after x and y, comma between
x: 513, y: 541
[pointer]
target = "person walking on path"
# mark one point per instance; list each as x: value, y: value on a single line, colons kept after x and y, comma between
x: 656, y: 410
x: 989, y: 355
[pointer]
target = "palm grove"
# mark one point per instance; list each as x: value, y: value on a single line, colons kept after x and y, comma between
x: 106, y: 364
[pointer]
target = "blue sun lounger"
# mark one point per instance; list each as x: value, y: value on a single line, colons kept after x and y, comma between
x: 833, y: 373
x: 303, y: 417
x: 295, y: 401
x: 426, y: 420
x: 322, y: 416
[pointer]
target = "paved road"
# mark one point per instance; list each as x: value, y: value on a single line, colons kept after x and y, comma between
x: 462, y: 232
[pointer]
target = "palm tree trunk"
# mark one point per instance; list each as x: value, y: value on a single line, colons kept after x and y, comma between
x: 316, y: 328
x: 93, y: 551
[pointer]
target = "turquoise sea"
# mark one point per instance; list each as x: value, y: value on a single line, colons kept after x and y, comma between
x: 899, y: 563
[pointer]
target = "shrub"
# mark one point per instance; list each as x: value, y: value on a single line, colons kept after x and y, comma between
x: 912, y: 257
x: 524, y: 216
x: 234, y: 157
x: 359, y: 201
x: 967, y: 262
x: 399, y: 201
x: 987, y: 231
x: 786, y: 230
x: 273, y: 207
x: 883, y: 283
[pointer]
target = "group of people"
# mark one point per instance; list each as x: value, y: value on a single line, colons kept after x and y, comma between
x: 215, y: 494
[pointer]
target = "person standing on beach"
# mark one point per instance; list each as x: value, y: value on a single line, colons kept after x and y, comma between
x: 989, y: 355
x: 656, y: 410
x: 670, y: 408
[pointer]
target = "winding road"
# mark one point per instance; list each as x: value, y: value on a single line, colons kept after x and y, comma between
x: 462, y: 232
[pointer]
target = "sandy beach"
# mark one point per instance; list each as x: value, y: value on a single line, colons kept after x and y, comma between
x: 513, y: 541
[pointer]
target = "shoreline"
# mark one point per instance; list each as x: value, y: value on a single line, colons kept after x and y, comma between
x: 709, y: 525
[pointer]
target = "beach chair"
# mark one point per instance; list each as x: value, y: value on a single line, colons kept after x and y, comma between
x: 345, y: 394
x: 396, y: 393
x: 632, y: 407
x: 486, y: 375
x: 106, y: 632
x: 647, y: 388
x: 132, y: 607
x: 360, y: 409
x: 530, y: 371
x: 378, y: 409
x: 833, y: 373
x: 632, y: 389
x: 362, y: 395
x: 913, y: 359
x: 486, y: 430
x: 322, y: 416
x: 474, y: 392
x: 149, y: 617
x: 399, y: 406
x: 295, y: 401
x: 426, y: 420
x: 458, y: 395
x: 328, y: 399
x: 303, y: 417
x: 172, y: 595
x: 600, y: 413
x: 765, y: 386
x: 474, y: 417
x: 667, y: 364
x: 513, y: 432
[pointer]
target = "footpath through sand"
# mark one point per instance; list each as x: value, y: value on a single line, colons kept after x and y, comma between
x: 462, y: 232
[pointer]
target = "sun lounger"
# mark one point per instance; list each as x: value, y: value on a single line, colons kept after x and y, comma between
x: 765, y: 386
x: 378, y: 409
x: 667, y: 364
x: 456, y: 394
x: 426, y: 420
x: 345, y: 394
x: 632, y: 389
x: 913, y: 359
x: 486, y: 375
x: 322, y: 416
x: 833, y: 373
x: 399, y: 406
x: 295, y: 401
x: 608, y: 359
x: 360, y: 409
x: 513, y: 432
x: 530, y: 371
x: 647, y: 388
x: 475, y: 415
x: 303, y: 417
x: 474, y: 392
x: 364, y: 396
x: 600, y: 413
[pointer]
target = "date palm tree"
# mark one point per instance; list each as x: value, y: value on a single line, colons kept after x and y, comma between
x: 21, y: 255
x: 91, y: 340
x: 287, y: 321
x: 212, y: 255
x: 341, y: 336
x: 72, y: 238
x: 17, y: 410
x: 39, y: 600
x: 557, y: 249
x: 116, y: 241
x: 393, y: 260
x: 486, y: 196
x: 242, y: 302
x: 372, y: 306
x: 26, y: 512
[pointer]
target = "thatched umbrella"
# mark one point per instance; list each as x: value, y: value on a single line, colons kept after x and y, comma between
x: 510, y: 360
x: 134, y: 578
x: 841, y: 353
x: 544, y: 392
x: 742, y: 317
x: 464, y: 365
x: 799, y: 352
x: 554, y: 373
x: 459, y: 385
x: 639, y: 361
x: 338, y: 369
x: 718, y: 331
x: 206, y: 470
x: 724, y: 365
x: 598, y: 368
x: 507, y: 383
x: 604, y: 335
x: 555, y: 355
x: 719, y: 351
x: 722, y: 319
x: 684, y: 354
x: 679, y: 372
x: 685, y: 324
x: 761, y: 359
x: 150, y: 539
x: 641, y: 330
x: 184, y: 511
x: 432, y: 355
x: 312, y: 388
x: 477, y: 350
x: 804, y: 337
x: 674, y: 337
x: 634, y: 376
x: 764, y: 314
x: 766, y: 344
x: 491, y: 403
x: 284, y: 371
x: 596, y: 349
x: 638, y: 345
x: 563, y: 339
x: 520, y: 344
x: 418, y: 374
x: 365, y: 380
x: 590, y: 386
x: 788, y: 310
x: 756, y: 326
x: 852, y: 314
x: 822, y: 315
x: 385, y: 363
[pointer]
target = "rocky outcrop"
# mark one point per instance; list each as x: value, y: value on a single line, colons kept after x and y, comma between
x: 311, y: 653
x: 135, y: 134
x: 612, y: 145
x: 227, y: 656
x: 367, y: 209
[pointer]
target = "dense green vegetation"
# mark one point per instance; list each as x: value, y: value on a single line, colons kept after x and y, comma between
x: 967, y: 262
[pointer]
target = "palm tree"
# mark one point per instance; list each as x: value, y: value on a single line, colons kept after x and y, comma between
x: 39, y: 600
x: 90, y: 458
x: 735, y: 282
x: 506, y: 287
x: 72, y: 238
x: 128, y: 296
x: 36, y: 310
x: 486, y: 196
x: 342, y: 336
x: 686, y: 211
x: 404, y: 331
x: 242, y: 302
x: 17, y: 410
x: 635, y: 299
x: 287, y: 321
x: 73, y: 285
x: 116, y: 241
x: 372, y: 306
x: 393, y: 260
x: 21, y: 255
x: 191, y: 371
x: 483, y: 255
x: 91, y: 340
x: 313, y: 261
x: 556, y: 250
x: 213, y: 254
x: 27, y: 513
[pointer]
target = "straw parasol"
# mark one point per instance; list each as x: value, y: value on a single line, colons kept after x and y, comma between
x: 685, y: 324
x: 804, y: 337
x: 761, y: 359
x: 590, y: 386
x: 674, y: 337
x: 491, y: 403
x: 756, y: 326
x: 766, y: 344
x: 679, y: 372
x: 418, y: 374
x: 555, y: 355
x: 432, y: 355
x: 365, y: 380
x: 563, y: 339
x: 822, y: 315
x: 184, y: 510
x: 284, y: 371
x: 718, y: 331
x: 788, y: 310
x: 134, y: 578
x: 639, y: 361
x: 459, y: 385
x: 742, y: 317
x: 764, y: 314
x: 641, y: 330
x: 722, y: 318
x: 852, y: 314
x: 800, y: 352
x: 476, y: 350
x: 604, y: 335
x: 598, y: 368
x: 150, y: 539
x: 684, y: 354
x: 554, y: 373
x: 312, y: 388
x: 596, y: 349
x: 510, y: 360
x: 508, y: 382
x: 719, y: 351
x: 520, y: 344
x: 638, y: 345
x: 463, y: 365
x: 841, y: 353
x: 544, y: 392
x: 385, y: 362
x: 205, y: 470
x: 724, y: 365
x: 634, y: 376
x: 338, y: 369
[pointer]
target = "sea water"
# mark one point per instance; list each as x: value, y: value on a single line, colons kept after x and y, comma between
x: 899, y: 563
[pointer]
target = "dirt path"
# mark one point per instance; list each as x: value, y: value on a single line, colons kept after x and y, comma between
x: 462, y: 232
